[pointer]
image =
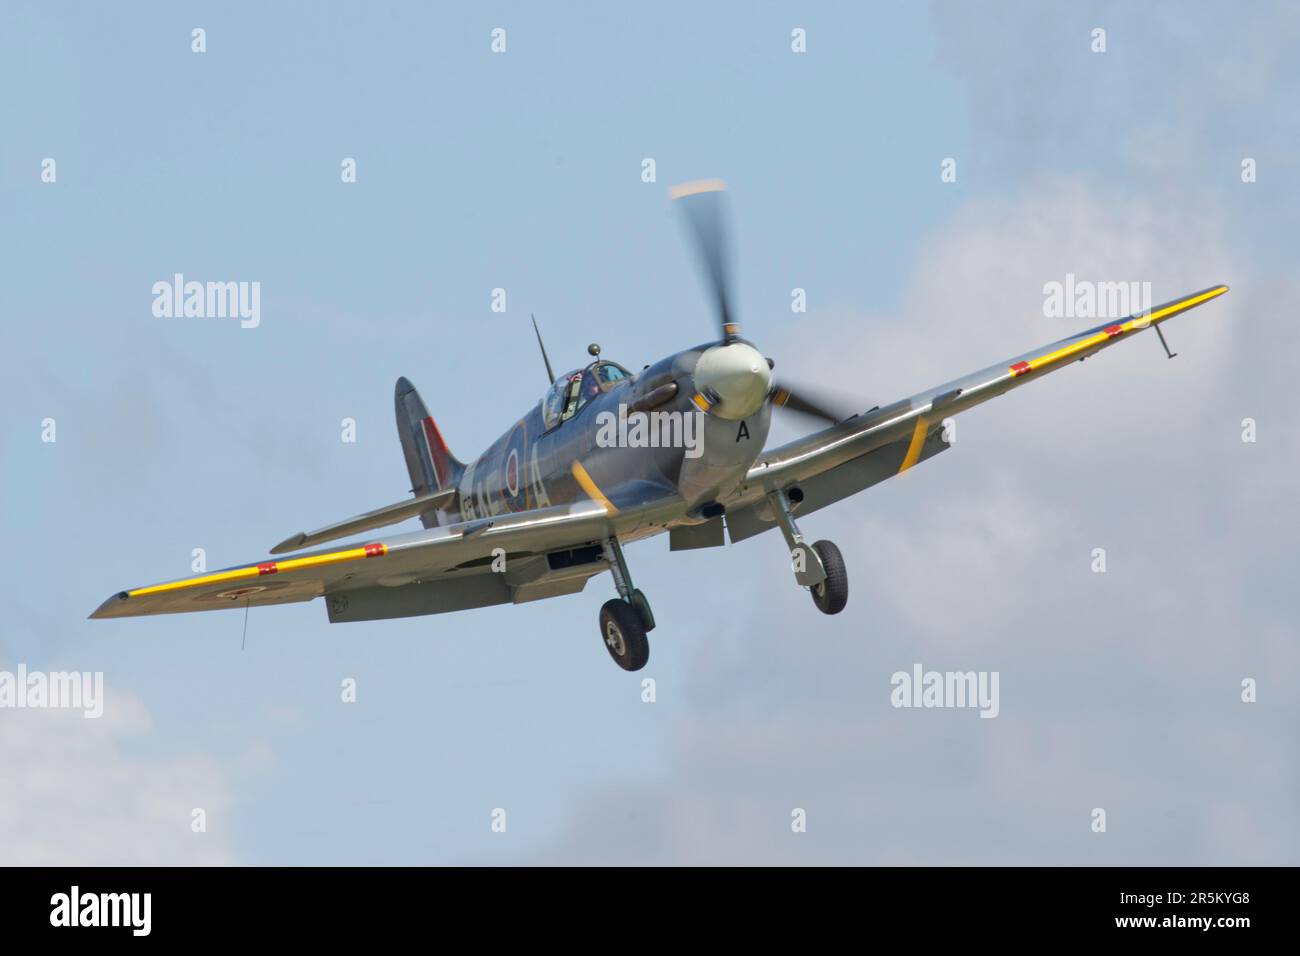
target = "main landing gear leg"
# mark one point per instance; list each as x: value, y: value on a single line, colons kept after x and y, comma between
x: 625, y: 620
x: 819, y: 567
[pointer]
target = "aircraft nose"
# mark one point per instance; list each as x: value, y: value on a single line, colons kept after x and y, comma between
x: 734, y: 378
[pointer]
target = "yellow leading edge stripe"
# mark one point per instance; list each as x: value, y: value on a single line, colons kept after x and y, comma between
x: 1137, y: 322
x: 589, y: 486
x: 254, y: 571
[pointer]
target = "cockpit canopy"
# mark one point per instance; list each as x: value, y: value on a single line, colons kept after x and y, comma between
x: 572, y: 391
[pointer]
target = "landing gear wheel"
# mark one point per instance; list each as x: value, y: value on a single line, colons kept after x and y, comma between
x: 832, y: 594
x: 623, y: 632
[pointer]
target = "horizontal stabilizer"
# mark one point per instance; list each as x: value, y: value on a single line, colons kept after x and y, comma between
x: 379, y: 518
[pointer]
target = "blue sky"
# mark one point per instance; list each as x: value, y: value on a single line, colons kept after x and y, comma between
x: 522, y: 171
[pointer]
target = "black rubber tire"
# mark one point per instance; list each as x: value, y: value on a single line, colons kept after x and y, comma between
x: 623, y: 632
x: 832, y: 594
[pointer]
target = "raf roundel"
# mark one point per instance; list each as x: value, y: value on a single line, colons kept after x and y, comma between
x: 512, y: 472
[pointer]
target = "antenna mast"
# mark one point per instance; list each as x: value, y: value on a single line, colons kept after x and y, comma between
x: 550, y: 376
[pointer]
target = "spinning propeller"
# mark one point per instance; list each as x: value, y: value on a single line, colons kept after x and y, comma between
x: 733, y: 377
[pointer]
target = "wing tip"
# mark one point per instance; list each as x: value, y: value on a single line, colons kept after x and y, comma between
x: 106, y: 609
x: 1202, y: 297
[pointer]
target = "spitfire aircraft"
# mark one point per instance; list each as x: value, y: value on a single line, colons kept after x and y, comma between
x: 553, y: 501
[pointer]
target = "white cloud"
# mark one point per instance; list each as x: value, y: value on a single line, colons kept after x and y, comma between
x: 75, y: 792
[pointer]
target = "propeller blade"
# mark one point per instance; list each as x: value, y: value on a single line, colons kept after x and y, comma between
x: 830, y: 412
x: 703, y: 205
